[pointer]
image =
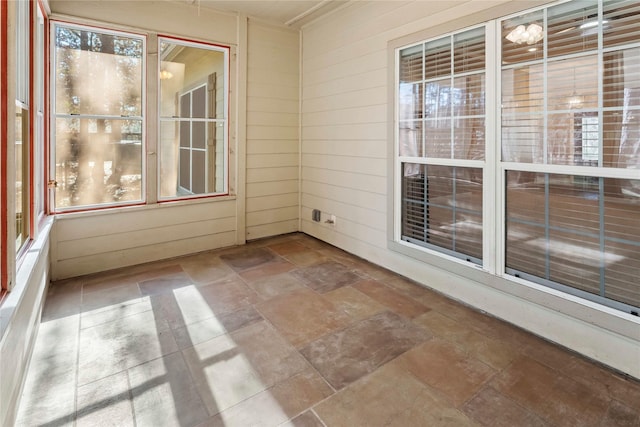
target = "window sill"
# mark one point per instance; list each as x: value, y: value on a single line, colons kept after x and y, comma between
x: 11, y: 301
x: 145, y: 207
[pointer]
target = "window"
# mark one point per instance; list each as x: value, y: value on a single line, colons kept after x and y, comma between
x: 99, y: 135
x: 193, y: 119
x: 566, y: 173
x: 22, y: 146
x: 572, y: 214
x: 98, y: 129
x: 441, y: 134
x: 39, y: 172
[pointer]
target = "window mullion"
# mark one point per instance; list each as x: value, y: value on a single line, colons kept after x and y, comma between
x: 493, y: 188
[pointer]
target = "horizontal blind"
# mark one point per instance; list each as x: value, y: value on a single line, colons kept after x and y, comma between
x: 442, y: 209
x: 582, y: 232
x: 622, y: 19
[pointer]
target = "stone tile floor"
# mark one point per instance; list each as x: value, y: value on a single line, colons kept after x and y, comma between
x: 291, y: 331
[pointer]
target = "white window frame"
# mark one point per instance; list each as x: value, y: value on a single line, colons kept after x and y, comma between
x: 224, y: 121
x: 55, y: 115
x: 494, y: 182
x: 488, y: 197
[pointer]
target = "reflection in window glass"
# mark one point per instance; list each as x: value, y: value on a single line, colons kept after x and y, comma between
x: 193, y: 118
x: 581, y: 232
x: 442, y: 209
x: 447, y: 91
x: 98, y: 107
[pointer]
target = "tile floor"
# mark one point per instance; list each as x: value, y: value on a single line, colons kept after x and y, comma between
x: 291, y: 331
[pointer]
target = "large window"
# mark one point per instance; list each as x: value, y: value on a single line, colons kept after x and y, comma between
x: 100, y: 138
x: 441, y: 135
x: 193, y: 119
x: 98, y: 117
x: 566, y: 169
x: 570, y: 147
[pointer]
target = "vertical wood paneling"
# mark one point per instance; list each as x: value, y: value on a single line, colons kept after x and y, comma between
x: 272, y: 131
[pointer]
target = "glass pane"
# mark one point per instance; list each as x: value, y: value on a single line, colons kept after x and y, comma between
x: 413, y: 202
x: 621, y: 19
x: 437, y: 138
x: 573, y: 138
x: 469, y: 95
x: 622, y: 139
x: 522, y: 138
x: 523, y: 89
x: 196, y: 76
x: 621, y: 83
x: 442, y: 208
x: 622, y: 239
x: 574, y: 260
x: 573, y: 84
x: 185, y: 170
x: 582, y: 232
x: 410, y: 101
x: 98, y: 166
x: 437, y: 99
x: 621, y: 127
x: 97, y: 73
x: 468, y: 51
x: 437, y: 58
x: 411, y: 64
x: 522, y: 38
x: 410, y: 138
x: 192, y: 149
x: 468, y: 138
x: 198, y: 171
x: 468, y: 132
x: 198, y: 135
x: 573, y: 27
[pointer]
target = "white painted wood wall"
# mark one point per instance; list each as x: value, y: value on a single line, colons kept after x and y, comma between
x: 272, y: 130
x: 345, y: 169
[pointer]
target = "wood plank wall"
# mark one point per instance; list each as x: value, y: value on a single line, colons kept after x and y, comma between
x: 272, y: 130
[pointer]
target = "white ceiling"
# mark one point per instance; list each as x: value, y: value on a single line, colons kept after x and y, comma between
x: 293, y: 13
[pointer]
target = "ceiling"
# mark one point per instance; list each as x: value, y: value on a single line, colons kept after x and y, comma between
x: 291, y: 13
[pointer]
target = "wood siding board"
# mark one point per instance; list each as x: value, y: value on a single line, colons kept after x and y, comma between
x: 376, y: 202
x: 94, y: 245
x: 270, y: 146
x: 357, y: 181
x: 268, y: 118
x: 256, y: 103
x: 373, y: 148
x: 273, y: 201
x: 272, y: 160
x: 80, y: 227
x: 272, y: 216
x: 115, y: 259
x: 349, y: 99
x: 271, y: 188
x: 272, y: 174
x: 272, y: 229
x: 366, y: 166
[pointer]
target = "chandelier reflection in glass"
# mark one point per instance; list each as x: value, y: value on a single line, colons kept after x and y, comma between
x: 529, y: 35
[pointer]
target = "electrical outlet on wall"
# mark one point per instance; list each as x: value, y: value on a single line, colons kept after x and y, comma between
x: 331, y: 220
